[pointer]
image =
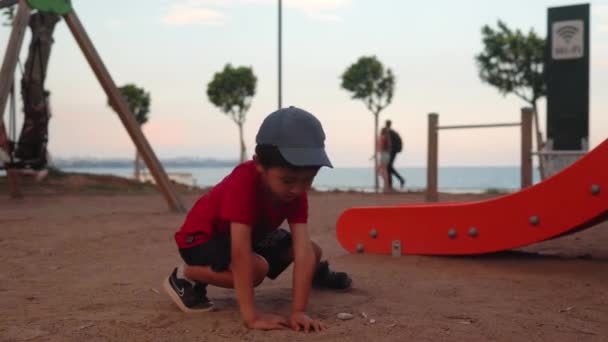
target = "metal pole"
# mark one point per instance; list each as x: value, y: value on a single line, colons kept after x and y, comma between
x: 280, y: 63
x: 481, y: 126
x: 127, y: 118
x: 560, y: 153
x: 432, y: 159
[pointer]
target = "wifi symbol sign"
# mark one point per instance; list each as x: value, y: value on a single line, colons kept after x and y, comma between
x: 567, y: 32
x: 567, y: 40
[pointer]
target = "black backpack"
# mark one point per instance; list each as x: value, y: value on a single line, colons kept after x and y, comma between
x: 396, y: 144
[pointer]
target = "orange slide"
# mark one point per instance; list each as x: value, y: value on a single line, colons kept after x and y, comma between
x: 571, y: 200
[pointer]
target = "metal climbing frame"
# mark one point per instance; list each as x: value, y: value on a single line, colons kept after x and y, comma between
x: 433, y: 149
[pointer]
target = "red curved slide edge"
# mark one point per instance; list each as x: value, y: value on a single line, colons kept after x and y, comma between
x: 570, y: 200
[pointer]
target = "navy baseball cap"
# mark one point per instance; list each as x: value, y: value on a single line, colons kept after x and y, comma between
x: 297, y: 134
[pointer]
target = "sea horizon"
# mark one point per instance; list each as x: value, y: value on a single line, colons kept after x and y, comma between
x: 454, y: 179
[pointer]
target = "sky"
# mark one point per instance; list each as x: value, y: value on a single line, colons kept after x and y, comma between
x: 172, y: 48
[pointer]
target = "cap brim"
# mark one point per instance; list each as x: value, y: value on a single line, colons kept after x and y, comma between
x: 305, y: 156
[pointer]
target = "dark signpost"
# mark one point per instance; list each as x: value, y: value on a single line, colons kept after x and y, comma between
x: 567, y: 76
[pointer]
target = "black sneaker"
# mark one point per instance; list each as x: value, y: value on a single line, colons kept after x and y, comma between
x: 189, y: 298
x: 324, y: 277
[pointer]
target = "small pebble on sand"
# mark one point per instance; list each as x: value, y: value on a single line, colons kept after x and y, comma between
x: 345, y: 316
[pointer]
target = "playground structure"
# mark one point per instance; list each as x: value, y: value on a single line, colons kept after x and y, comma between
x: 64, y: 8
x: 550, y: 161
x: 572, y: 200
x: 570, y: 197
x: 433, y: 149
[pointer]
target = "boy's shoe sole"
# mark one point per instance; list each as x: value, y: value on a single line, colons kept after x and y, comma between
x: 177, y: 300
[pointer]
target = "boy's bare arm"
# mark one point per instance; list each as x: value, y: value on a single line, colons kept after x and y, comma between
x: 242, y: 273
x: 304, y: 266
x: 242, y: 269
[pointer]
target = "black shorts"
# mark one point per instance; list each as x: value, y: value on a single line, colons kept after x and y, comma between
x: 216, y: 253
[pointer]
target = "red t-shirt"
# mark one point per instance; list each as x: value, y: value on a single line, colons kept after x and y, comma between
x: 240, y: 197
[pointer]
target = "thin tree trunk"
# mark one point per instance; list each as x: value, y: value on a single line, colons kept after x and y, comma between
x: 242, y: 142
x: 376, y: 186
x: 34, y: 133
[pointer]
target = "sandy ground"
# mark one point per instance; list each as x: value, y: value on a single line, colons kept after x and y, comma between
x: 89, y: 268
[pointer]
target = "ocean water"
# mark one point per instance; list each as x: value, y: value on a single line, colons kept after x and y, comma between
x: 451, y: 179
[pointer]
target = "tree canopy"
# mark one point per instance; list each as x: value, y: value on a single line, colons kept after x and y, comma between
x: 138, y: 101
x: 513, y: 62
x: 369, y: 81
x: 231, y: 90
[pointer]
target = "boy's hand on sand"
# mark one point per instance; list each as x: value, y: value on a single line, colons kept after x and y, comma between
x: 301, y: 321
x: 268, y: 322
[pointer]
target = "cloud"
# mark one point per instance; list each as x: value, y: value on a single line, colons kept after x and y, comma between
x: 323, y: 10
x: 187, y: 14
x: 316, y: 5
x: 211, y: 12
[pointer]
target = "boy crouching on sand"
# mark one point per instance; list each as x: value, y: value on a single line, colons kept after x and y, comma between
x: 231, y: 238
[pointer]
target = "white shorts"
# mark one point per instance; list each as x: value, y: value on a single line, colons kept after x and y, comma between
x: 383, y: 158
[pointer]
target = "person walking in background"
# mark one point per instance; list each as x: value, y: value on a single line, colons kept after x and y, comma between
x: 384, y: 148
x: 396, y: 146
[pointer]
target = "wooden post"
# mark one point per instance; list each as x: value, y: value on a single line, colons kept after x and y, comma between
x: 526, y: 147
x: 123, y: 111
x: 7, y: 74
x: 432, y: 159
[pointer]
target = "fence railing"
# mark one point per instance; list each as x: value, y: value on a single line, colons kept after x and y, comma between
x: 433, y: 149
